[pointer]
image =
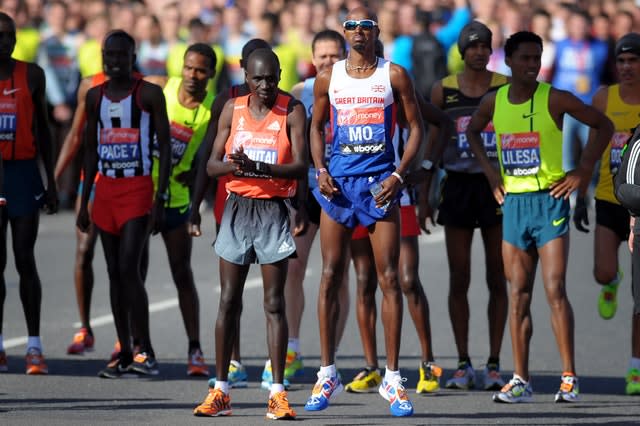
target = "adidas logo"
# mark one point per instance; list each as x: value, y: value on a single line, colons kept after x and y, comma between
x: 285, y: 246
x: 275, y: 126
x: 240, y: 125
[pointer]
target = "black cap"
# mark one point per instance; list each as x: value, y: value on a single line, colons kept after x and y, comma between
x: 473, y: 32
x: 629, y: 43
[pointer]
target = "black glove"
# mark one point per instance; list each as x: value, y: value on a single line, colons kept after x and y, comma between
x: 580, y: 215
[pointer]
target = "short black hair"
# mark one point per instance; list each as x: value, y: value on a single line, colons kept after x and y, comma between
x: 518, y: 38
x: 204, y: 50
x: 121, y: 34
x: 329, y: 35
x: 250, y: 46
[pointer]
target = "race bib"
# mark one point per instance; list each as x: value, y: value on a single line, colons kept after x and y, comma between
x: 259, y: 146
x: 119, y: 149
x: 180, y: 137
x: 618, y: 140
x: 361, y: 131
x: 488, y: 139
x: 521, y: 153
x: 8, y: 120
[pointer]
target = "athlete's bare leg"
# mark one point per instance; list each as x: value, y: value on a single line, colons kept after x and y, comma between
x: 498, y: 307
x: 274, y: 277
x: 385, y: 242
x: 605, y: 253
x: 24, y: 231
x: 366, y: 310
x: 83, y: 270
x: 458, y: 242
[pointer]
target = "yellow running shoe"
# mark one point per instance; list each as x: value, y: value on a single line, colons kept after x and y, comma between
x: 429, y: 378
x: 367, y: 380
x: 279, y: 408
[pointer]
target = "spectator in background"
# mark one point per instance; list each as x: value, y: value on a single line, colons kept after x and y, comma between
x: 388, y: 25
x: 27, y: 36
x: 154, y: 50
x: 578, y: 68
x: 268, y: 30
x: 400, y: 51
x: 496, y: 60
x: 541, y: 25
x: 300, y: 36
x: 170, y: 23
x: 232, y: 40
x: 90, y: 52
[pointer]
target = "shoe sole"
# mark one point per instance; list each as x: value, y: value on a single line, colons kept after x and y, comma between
x: 458, y: 387
x: 144, y: 372
x: 352, y: 390
x: 218, y: 414
x: 37, y: 372
x: 272, y: 416
x: 335, y: 392
x: 562, y: 400
x: 496, y: 398
x: 198, y: 373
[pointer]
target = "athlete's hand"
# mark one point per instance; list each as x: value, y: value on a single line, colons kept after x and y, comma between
x: 581, y: 215
x: 300, y: 220
x: 326, y: 186
x: 425, y: 214
x: 242, y: 161
x: 51, y: 200
x: 82, y: 221
x: 187, y: 177
x: 497, y: 186
x: 390, y: 188
x: 156, y: 223
x: 565, y: 186
x: 194, y: 223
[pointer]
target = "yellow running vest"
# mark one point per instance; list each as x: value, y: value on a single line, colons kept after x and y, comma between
x: 529, y: 141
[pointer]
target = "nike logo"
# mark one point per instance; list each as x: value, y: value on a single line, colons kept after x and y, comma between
x: 558, y: 222
x: 40, y: 195
x: 452, y: 99
x: 525, y: 116
x: 626, y: 48
x: 7, y: 92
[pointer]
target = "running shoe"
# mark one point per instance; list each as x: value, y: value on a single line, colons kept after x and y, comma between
x: 82, y: 342
x: 633, y: 382
x: 267, y: 378
x: 114, y: 369
x: 367, y: 380
x: 394, y: 392
x: 607, y: 300
x: 429, y: 381
x: 491, y: 377
x: 293, y: 366
x: 324, y: 389
x: 464, y: 377
x: 514, y: 391
x: 4, y: 366
x: 116, y: 350
x: 217, y: 403
x: 197, y: 366
x: 279, y: 409
x: 569, y: 389
x: 144, y: 364
x: 237, y: 376
x: 35, y: 362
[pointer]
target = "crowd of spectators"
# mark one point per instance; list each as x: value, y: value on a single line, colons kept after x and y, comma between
x: 64, y: 37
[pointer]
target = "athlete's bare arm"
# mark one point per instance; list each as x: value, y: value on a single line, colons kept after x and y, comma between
x: 90, y: 156
x: 479, y: 121
x: 73, y: 140
x: 316, y: 132
x: 562, y: 102
x: 43, y: 141
x: 215, y: 165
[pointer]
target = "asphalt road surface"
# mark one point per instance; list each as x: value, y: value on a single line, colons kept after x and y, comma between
x: 73, y: 394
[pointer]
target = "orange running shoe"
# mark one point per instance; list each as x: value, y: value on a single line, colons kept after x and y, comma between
x: 279, y: 409
x: 217, y: 403
x: 82, y: 341
x: 4, y: 367
x: 197, y: 365
x: 35, y: 362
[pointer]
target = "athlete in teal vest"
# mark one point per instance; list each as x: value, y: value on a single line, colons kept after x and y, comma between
x: 189, y: 110
x: 534, y: 192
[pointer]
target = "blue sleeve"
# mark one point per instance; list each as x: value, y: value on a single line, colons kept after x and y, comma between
x: 401, y: 53
x: 53, y: 90
x: 448, y: 35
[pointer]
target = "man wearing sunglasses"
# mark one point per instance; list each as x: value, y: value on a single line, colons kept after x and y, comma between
x: 361, y: 186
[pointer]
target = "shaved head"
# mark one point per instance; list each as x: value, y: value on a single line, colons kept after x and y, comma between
x: 264, y: 55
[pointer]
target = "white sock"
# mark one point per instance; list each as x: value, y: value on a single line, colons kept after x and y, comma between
x: 328, y: 371
x: 275, y: 388
x: 635, y: 363
x: 223, y: 386
x: 34, y: 342
x: 1, y: 344
x: 515, y: 376
x: 294, y: 345
x: 389, y: 375
x: 235, y: 363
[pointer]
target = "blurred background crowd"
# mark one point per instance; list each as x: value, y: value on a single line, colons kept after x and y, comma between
x: 64, y: 37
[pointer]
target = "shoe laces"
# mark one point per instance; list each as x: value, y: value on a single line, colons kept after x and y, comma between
x: 279, y: 401
x: 197, y: 358
x: 511, y: 384
x: 291, y: 356
x: 141, y: 357
x: 216, y: 399
x: 461, y: 371
x: 608, y: 295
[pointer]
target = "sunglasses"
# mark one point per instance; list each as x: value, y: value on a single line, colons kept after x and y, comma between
x: 365, y: 24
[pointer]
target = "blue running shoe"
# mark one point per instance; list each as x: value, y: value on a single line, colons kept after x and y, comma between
x: 267, y: 378
x: 237, y: 376
x: 324, y: 389
x: 394, y: 392
x: 514, y: 392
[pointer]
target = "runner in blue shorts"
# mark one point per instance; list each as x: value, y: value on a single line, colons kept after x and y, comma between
x: 361, y: 185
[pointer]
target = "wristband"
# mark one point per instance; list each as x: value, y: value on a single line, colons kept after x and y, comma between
x: 397, y: 175
x: 320, y: 171
x: 262, y: 167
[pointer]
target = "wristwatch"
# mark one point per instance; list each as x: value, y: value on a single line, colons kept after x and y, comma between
x: 427, y: 165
